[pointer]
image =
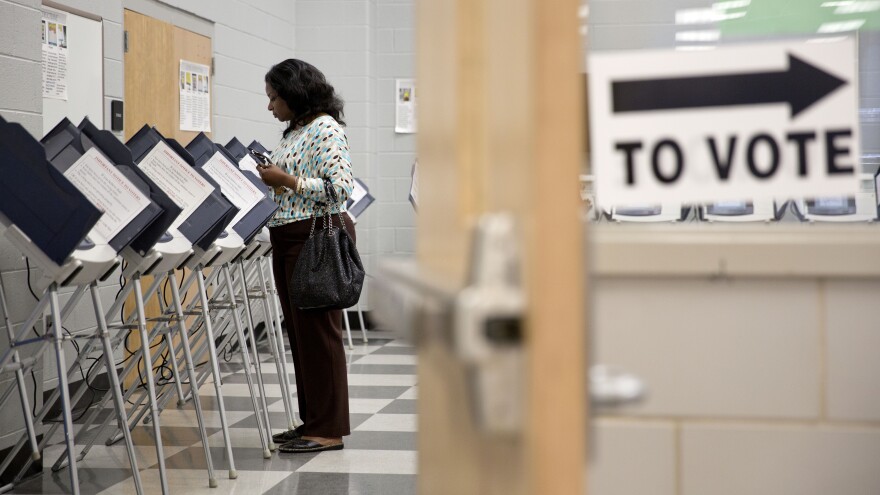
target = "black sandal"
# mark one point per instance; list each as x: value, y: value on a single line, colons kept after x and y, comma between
x: 300, y: 446
x: 287, y: 436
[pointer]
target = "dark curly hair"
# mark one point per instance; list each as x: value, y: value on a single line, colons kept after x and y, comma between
x: 305, y: 90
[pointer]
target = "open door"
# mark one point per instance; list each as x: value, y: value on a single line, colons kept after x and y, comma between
x: 501, y: 130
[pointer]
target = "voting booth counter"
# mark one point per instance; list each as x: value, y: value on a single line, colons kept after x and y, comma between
x: 148, y: 208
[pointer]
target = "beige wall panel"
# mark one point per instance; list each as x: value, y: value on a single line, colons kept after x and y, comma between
x: 714, y: 348
x: 853, y: 336
x: 629, y: 458
x: 771, y: 460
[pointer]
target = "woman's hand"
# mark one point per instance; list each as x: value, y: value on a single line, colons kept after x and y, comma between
x: 273, y: 176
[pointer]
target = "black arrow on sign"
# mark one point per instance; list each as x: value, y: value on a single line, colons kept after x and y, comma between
x: 800, y: 86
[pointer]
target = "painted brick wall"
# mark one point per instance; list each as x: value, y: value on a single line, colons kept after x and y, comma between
x: 20, y: 101
x: 20, y: 55
x: 363, y: 46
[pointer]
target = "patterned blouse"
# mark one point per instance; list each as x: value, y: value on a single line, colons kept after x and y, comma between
x: 312, y: 152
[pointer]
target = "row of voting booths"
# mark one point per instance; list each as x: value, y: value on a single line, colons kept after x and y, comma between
x: 863, y: 206
x: 81, y: 206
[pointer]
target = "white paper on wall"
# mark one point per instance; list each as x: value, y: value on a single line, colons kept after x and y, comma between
x: 54, y: 64
x: 195, y: 97
x: 405, y: 96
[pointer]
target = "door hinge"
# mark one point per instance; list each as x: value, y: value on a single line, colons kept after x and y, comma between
x: 125, y: 41
x: 212, y: 66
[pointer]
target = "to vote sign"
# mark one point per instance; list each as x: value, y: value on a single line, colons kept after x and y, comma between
x: 775, y: 120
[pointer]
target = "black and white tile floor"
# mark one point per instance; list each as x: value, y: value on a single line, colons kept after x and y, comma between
x: 379, y: 456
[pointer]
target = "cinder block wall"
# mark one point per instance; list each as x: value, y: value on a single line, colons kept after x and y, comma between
x: 20, y: 53
x: 758, y: 386
x: 363, y: 46
x: 21, y: 100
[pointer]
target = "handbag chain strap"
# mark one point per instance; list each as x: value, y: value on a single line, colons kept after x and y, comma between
x: 327, y: 214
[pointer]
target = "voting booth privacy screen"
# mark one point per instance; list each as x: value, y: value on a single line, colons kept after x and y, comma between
x: 37, y: 199
x: 244, y: 189
x: 205, y: 211
x: 102, y: 167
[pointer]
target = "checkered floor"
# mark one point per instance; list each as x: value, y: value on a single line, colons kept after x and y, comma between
x: 379, y: 456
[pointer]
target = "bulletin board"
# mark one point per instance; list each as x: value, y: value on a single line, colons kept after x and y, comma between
x: 153, y: 71
x: 85, y: 73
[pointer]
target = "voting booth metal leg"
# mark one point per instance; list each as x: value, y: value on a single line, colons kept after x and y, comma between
x: 347, y: 329
x: 227, y: 332
x: 191, y: 373
x: 167, y: 332
x: 61, y: 462
x: 19, y: 379
x: 175, y: 371
x: 114, y: 392
x: 361, y: 319
x: 44, y: 410
x: 49, y: 298
x: 215, y: 369
x: 274, y: 331
x: 246, y: 361
x: 276, y: 316
x: 166, y: 346
x: 137, y: 413
x: 253, y: 341
x: 84, y: 352
x: 126, y: 424
x: 34, y: 316
x: 133, y: 417
x: 118, y: 401
x: 58, y: 337
x: 151, y: 387
x: 221, y: 325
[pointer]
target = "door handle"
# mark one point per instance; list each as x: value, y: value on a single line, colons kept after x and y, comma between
x: 614, y: 387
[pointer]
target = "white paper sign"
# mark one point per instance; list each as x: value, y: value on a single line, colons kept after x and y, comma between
x: 405, y: 95
x: 746, y: 122
x: 235, y: 186
x: 105, y: 186
x: 357, y: 192
x: 177, y: 179
x: 195, y: 97
x: 55, y: 55
x: 248, y: 163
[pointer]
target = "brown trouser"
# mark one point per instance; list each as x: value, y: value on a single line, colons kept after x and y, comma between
x: 315, y: 340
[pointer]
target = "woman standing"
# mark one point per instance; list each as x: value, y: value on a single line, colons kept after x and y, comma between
x: 314, y: 148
